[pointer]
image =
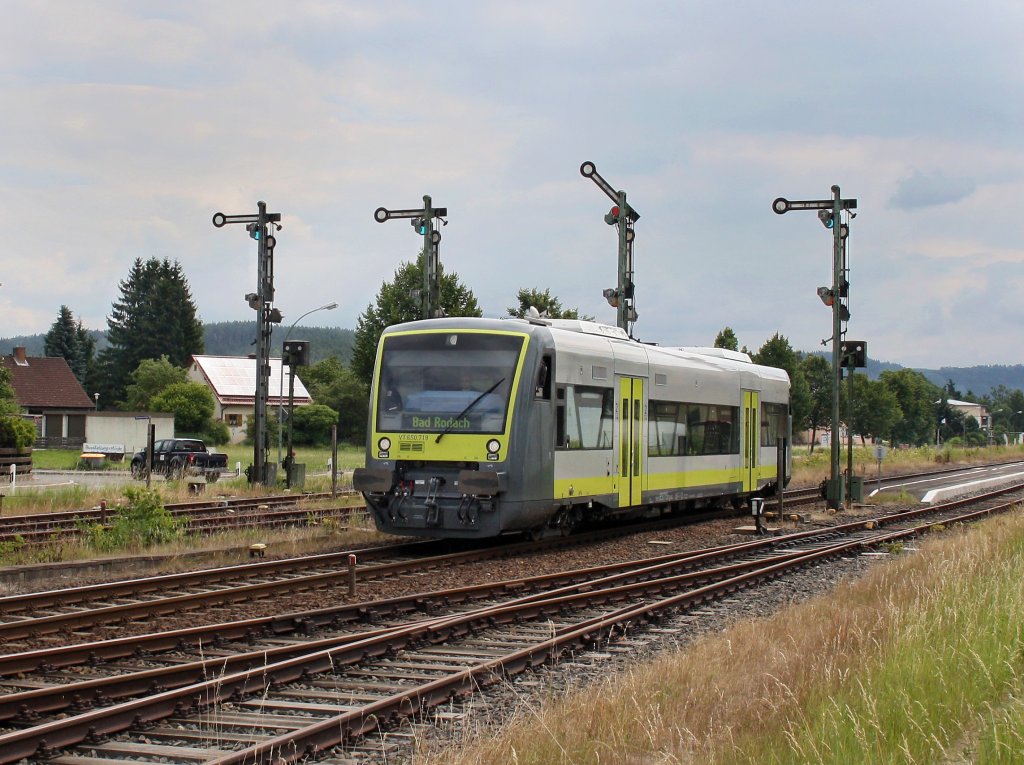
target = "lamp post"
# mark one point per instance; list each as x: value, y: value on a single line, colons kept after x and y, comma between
x: 280, y: 388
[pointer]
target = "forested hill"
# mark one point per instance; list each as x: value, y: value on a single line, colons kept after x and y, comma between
x: 974, y: 381
x: 238, y: 338
x: 978, y: 380
x: 229, y: 338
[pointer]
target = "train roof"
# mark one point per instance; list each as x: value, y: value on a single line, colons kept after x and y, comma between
x: 710, y: 358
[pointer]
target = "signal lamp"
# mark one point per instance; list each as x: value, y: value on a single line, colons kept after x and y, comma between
x: 420, y: 224
x: 613, y: 216
x: 826, y: 296
x: 827, y: 218
x: 612, y: 296
x: 255, y: 231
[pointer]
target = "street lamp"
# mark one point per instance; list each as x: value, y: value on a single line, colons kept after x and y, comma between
x: 280, y: 387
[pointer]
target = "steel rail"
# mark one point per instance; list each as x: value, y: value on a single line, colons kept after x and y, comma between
x: 331, y: 732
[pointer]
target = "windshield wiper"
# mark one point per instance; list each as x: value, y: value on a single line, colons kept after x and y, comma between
x: 461, y: 414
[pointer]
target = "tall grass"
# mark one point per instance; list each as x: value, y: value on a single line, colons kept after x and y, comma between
x: 921, y: 661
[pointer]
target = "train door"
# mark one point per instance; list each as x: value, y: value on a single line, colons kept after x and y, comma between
x: 631, y: 440
x: 751, y: 438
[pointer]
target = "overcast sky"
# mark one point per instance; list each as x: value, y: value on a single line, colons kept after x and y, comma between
x: 126, y: 125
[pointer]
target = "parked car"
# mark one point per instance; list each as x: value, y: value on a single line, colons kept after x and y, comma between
x: 180, y: 457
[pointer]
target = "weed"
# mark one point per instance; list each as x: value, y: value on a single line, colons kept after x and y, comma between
x: 140, y: 523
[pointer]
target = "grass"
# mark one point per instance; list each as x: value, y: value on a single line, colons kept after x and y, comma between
x: 920, y: 661
x: 810, y: 468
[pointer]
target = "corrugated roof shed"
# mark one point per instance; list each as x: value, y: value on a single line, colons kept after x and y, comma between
x: 45, y: 382
x: 233, y: 379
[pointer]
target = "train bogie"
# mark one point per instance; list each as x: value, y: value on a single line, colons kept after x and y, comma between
x: 481, y: 427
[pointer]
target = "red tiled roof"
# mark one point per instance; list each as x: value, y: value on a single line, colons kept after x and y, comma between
x: 46, y: 382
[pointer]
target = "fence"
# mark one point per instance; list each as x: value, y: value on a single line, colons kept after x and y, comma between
x: 20, y: 458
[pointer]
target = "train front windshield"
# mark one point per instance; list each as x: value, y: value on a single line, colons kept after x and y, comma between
x: 455, y: 382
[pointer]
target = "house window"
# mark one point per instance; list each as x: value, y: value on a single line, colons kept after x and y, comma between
x: 233, y: 420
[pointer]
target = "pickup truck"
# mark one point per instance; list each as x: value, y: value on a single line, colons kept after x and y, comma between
x: 180, y: 457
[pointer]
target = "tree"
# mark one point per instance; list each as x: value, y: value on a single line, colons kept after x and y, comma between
x: 396, y: 304
x: 154, y: 317
x: 191, y: 403
x: 15, y: 432
x: 875, y: 408
x: 916, y: 399
x: 8, y: 401
x: 148, y: 379
x: 338, y: 387
x: 546, y: 304
x: 777, y: 352
x: 312, y: 424
x: 817, y: 372
x: 727, y: 339
x: 72, y: 342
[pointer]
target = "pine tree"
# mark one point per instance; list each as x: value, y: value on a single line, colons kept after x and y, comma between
x: 155, y: 317
x: 72, y: 342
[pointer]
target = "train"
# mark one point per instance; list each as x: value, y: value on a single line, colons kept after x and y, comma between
x: 481, y: 427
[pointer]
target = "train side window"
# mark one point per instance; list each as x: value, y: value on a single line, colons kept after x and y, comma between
x: 542, y: 390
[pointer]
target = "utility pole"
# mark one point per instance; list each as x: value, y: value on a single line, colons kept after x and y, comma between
x: 829, y: 212
x: 623, y: 216
x: 261, y: 301
x: 423, y: 221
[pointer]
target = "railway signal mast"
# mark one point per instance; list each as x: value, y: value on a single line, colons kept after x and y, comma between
x: 259, y: 227
x: 623, y: 216
x: 829, y: 213
x: 423, y: 221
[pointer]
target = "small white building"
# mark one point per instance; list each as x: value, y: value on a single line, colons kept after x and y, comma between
x: 112, y: 433
x: 970, y: 409
x: 232, y: 379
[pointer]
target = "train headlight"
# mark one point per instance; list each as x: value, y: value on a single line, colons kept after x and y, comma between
x: 384, y: 444
x: 493, y: 446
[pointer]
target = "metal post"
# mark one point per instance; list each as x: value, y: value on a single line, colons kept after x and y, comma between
x: 265, y: 293
x: 849, y: 438
x: 625, y: 270
x: 334, y: 460
x: 289, y: 460
x: 430, y: 295
x: 623, y: 216
x: 780, y: 474
x: 836, y: 501
x: 150, y: 443
x: 428, y: 261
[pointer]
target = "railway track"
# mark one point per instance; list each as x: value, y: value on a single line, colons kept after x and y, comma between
x: 211, y: 516
x: 279, y: 691
x: 205, y: 517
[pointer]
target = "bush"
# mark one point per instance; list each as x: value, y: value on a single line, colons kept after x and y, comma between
x: 216, y: 433
x: 143, y: 522
x: 16, y: 433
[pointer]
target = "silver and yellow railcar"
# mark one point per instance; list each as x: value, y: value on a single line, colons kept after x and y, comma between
x: 480, y: 427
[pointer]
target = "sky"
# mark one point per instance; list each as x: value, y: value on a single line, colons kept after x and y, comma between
x: 127, y: 124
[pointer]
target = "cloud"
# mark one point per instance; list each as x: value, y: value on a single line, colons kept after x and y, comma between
x: 930, y: 190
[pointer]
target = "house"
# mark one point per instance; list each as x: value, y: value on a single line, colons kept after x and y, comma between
x: 970, y: 409
x: 47, y: 390
x: 232, y: 379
